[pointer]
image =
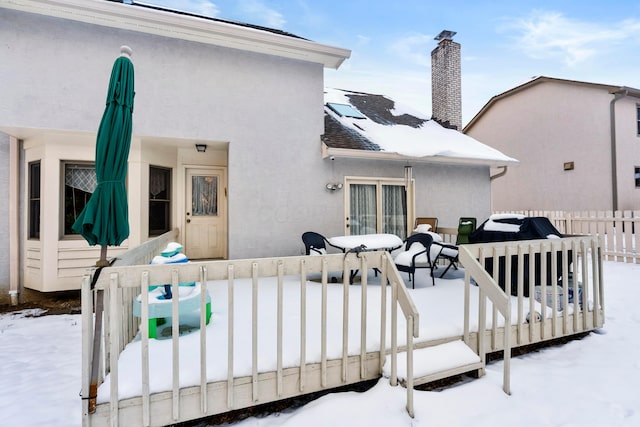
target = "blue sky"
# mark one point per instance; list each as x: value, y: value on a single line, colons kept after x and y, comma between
x: 504, y: 43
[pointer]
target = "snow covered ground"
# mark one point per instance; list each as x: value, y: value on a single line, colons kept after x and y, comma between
x: 587, y: 382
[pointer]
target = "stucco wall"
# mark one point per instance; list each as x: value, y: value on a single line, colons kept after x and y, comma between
x: 544, y: 127
x: 444, y: 191
x: 268, y: 109
x: 267, y: 112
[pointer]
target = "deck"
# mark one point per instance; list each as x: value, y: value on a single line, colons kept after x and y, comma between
x: 280, y: 328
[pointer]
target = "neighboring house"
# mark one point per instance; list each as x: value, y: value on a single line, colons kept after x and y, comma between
x: 227, y: 140
x: 578, y: 143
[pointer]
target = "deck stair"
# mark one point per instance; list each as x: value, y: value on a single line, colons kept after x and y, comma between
x: 437, y: 362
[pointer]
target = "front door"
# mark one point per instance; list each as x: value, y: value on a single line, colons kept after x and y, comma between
x: 205, y: 217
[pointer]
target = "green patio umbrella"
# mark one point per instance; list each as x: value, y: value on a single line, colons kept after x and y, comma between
x: 104, y: 220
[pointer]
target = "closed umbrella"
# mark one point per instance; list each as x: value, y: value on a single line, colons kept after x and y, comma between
x: 104, y: 220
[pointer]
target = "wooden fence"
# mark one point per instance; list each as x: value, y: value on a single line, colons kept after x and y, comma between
x: 618, y: 230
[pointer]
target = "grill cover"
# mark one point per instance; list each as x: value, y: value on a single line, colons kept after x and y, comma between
x: 503, y: 229
x: 509, y: 228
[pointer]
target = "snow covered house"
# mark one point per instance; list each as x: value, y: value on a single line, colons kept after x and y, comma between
x: 570, y: 136
x: 224, y: 112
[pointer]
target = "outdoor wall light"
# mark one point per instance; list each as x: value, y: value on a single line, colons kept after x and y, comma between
x: 333, y: 187
x: 201, y: 148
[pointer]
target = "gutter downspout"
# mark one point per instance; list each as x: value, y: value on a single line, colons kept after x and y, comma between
x: 614, y: 157
x: 14, y: 222
x: 499, y: 174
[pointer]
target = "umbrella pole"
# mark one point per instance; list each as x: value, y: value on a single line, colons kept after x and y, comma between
x: 97, y: 334
x: 95, y: 362
x: 102, y: 262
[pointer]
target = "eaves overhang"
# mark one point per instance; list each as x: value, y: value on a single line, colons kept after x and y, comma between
x: 329, y: 152
x: 184, y: 27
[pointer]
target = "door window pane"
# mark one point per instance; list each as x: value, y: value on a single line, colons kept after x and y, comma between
x: 204, y: 195
x: 394, y: 210
x: 363, y: 215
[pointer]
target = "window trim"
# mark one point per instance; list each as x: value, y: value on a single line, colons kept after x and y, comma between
x: 169, y: 200
x: 33, y: 224
x: 379, y: 182
x: 63, y: 169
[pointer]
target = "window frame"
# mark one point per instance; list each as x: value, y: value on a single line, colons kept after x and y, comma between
x: 63, y: 169
x: 34, y: 197
x: 379, y: 183
x: 167, y: 201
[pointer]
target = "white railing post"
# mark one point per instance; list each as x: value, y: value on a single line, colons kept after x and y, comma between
x: 410, y: 326
x: 394, y: 334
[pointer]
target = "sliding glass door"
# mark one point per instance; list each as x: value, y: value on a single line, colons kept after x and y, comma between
x: 376, y: 206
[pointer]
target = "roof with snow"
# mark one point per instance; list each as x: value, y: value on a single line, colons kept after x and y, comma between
x: 363, y: 125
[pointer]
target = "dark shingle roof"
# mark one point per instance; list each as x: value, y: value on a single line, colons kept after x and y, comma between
x: 338, y: 136
x: 376, y: 108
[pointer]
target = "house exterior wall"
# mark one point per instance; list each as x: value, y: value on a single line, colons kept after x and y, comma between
x: 545, y: 126
x: 261, y: 115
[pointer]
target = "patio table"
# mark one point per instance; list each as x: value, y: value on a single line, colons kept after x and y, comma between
x: 367, y: 242
x: 372, y: 242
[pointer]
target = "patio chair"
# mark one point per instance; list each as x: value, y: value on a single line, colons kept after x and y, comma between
x: 432, y: 221
x: 413, y: 254
x: 314, y: 243
x: 466, y: 226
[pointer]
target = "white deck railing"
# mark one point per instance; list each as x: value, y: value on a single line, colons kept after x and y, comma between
x: 558, y: 266
x: 561, y: 269
x: 122, y: 284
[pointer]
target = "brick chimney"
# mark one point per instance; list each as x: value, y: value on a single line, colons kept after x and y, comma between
x: 446, y: 89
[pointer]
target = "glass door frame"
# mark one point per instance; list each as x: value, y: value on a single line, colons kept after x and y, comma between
x: 379, y: 183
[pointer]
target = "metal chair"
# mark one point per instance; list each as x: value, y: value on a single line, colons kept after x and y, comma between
x: 414, y: 254
x: 314, y: 243
x: 432, y: 221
